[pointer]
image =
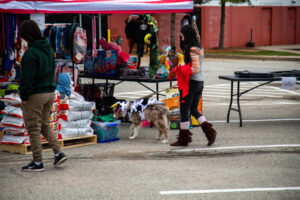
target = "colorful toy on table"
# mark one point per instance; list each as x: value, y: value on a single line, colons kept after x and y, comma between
x: 180, y: 57
x: 162, y: 73
x: 167, y: 50
x: 132, y: 62
x: 165, y: 61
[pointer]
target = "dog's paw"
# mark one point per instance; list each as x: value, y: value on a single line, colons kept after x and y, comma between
x: 165, y: 141
x: 131, y: 137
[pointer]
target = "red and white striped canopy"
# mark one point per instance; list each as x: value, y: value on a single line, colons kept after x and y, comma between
x: 96, y: 6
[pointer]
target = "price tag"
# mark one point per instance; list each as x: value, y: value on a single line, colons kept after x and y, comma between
x: 288, y: 83
x: 39, y: 19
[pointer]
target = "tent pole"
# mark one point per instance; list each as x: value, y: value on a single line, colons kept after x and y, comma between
x: 100, y: 29
x: 80, y: 20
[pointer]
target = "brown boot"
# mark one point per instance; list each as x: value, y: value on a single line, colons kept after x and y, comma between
x: 209, y: 132
x: 183, y: 139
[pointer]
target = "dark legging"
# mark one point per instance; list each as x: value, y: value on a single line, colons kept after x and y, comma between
x: 190, y: 102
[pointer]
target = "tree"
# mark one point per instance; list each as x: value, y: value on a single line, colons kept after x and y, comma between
x: 222, y: 21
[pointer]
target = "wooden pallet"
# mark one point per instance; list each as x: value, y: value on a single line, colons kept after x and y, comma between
x: 64, y: 144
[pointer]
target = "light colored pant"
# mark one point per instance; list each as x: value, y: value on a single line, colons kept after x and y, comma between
x: 36, y: 113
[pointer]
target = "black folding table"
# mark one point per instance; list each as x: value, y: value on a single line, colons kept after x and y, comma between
x: 238, y: 94
x: 133, y: 79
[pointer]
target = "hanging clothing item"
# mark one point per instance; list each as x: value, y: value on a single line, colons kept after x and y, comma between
x: 59, y: 52
x: 79, y: 45
x: 94, y: 54
x: 47, y: 31
x: 52, y: 37
x: 10, y: 28
x: 71, y: 37
x: 66, y: 40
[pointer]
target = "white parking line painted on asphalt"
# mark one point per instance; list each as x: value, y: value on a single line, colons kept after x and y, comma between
x: 135, y: 92
x: 239, y: 147
x: 248, y: 95
x: 256, y: 120
x: 176, y: 192
x: 242, y: 103
x: 227, y: 91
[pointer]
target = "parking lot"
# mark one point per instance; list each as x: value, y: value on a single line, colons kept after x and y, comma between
x: 257, y: 161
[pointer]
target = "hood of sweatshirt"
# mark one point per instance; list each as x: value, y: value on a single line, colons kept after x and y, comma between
x: 42, y: 45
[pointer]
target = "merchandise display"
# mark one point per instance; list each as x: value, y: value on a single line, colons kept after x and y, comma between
x: 75, y: 116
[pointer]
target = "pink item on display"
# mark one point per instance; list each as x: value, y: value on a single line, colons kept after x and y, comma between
x: 123, y: 57
x: 109, y: 45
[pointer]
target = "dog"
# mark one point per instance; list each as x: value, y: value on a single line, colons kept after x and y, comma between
x: 153, y: 111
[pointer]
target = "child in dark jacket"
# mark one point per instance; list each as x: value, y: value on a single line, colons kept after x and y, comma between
x: 37, y: 94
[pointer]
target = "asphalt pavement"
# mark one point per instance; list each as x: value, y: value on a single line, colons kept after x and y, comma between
x: 257, y: 161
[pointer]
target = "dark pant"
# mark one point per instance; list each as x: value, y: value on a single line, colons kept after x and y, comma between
x: 190, y: 102
x: 36, y: 113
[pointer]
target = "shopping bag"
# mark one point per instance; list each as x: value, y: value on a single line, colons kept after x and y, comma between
x: 193, y: 119
x: 172, y: 92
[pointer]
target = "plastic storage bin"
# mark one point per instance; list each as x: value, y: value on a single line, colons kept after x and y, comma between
x: 106, y: 131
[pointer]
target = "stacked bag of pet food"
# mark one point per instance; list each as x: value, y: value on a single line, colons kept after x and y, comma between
x: 12, y: 122
x: 74, y: 112
x: 14, y: 130
x: 54, y: 116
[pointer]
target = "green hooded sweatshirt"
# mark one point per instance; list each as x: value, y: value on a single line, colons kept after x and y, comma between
x: 38, y: 69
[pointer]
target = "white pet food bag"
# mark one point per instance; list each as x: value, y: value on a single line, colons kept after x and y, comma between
x: 76, y: 132
x: 12, y: 110
x: 12, y: 121
x: 69, y: 115
x: 84, y: 123
x: 77, y: 105
x: 12, y: 139
x: 11, y: 99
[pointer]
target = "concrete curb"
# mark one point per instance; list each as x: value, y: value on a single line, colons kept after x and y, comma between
x: 274, y: 58
x: 235, y: 150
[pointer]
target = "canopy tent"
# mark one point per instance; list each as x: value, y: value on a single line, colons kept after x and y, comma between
x: 96, y: 6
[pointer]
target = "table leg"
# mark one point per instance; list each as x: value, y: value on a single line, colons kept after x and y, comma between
x: 238, y: 102
x: 230, y: 104
x: 157, y: 91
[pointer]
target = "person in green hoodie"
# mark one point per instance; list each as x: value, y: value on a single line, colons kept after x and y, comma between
x: 37, y: 94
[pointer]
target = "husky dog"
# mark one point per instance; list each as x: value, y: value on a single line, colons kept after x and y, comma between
x: 153, y: 111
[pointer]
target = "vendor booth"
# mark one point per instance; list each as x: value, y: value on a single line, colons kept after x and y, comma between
x: 105, y: 60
